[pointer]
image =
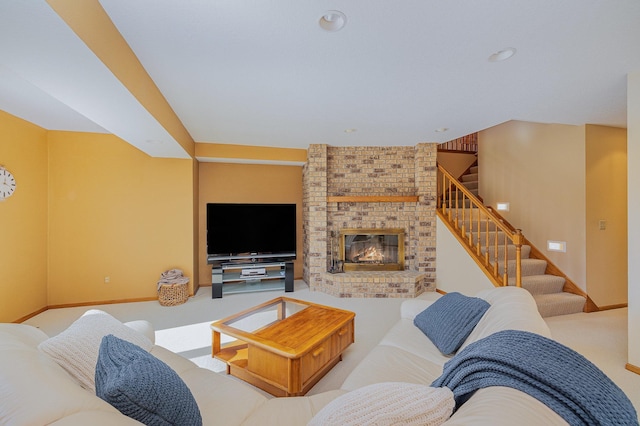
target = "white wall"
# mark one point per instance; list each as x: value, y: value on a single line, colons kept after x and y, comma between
x: 455, y: 269
x: 633, y: 209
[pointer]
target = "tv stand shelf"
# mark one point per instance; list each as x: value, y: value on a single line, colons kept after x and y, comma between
x: 243, y: 277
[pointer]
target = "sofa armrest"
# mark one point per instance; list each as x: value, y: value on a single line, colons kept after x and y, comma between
x: 144, y: 327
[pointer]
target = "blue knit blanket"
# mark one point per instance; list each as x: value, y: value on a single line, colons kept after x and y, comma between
x: 554, y: 374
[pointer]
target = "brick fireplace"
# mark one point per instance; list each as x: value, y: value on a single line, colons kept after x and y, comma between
x: 368, y: 191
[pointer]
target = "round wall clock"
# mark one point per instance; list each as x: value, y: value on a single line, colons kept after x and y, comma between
x: 7, y: 183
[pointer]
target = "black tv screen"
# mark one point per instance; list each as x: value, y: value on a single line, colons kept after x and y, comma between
x: 244, y: 231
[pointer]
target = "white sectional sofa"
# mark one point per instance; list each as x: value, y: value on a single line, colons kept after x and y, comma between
x: 36, y: 390
x: 405, y: 354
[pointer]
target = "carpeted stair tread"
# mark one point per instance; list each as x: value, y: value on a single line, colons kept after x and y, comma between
x: 491, y: 236
x: 460, y: 195
x: 473, y: 224
x: 471, y: 185
x: 469, y: 177
x: 541, y: 284
x: 459, y: 203
x: 511, y: 251
x: 473, y: 169
x: 471, y: 213
x: 553, y: 304
x: 529, y: 267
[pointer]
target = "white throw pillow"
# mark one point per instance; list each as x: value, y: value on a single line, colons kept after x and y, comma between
x: 389, y: 403
x: 76, y: 348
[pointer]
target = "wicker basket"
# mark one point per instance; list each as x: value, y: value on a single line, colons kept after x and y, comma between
x: 173, y: 294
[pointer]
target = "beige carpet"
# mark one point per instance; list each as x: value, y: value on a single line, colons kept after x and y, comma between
x: 601, y: 337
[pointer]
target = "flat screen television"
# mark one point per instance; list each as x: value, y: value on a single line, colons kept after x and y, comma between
x: 250, y: 231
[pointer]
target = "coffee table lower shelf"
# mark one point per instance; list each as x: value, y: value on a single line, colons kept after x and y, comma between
x: 236, y: 356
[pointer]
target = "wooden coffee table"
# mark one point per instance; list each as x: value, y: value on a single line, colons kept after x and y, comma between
x: 283, y: 346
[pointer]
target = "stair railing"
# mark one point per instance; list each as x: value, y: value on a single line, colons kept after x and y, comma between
x: 478, y: 228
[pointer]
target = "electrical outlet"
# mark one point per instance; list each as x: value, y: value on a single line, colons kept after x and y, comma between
x: 107, y: 280
x: 602, y: 224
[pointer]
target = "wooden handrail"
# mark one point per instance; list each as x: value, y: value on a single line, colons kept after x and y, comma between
x: 466, y: 215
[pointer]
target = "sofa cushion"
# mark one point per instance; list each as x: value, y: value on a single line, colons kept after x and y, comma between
x: 406, y: 336
x: 512, y: 308
x: 388, y: 403
x: 450, y: 319
x: 96, y: 418
x: 143, y: 327
x: 143, y: 387
x: 76, y: 348
x: 393, y: 364
x: 291, y: 411
x: 36, y: 390
x: 412, y: 307
x: 223, y: 399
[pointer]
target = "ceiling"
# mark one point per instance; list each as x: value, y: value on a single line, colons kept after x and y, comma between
x: 264, y: 73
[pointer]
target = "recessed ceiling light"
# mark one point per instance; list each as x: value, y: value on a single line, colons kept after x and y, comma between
x: 333, y: 20
x: 350, y: 130
x: 442, y: 129
x: 502, y: 55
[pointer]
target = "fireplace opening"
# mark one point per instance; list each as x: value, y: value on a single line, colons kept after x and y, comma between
x: 372, y: 249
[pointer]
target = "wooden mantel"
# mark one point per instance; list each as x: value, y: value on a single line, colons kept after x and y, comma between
x: 373, y: 199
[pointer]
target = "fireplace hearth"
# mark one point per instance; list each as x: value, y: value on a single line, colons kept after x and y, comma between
x: 372, y: 249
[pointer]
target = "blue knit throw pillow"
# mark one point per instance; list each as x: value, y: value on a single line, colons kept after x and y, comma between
x: 450, y: 320
x: 142, y: 387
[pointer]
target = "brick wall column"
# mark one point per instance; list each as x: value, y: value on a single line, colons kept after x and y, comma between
x: 426, y: 187
x: 315, y: 216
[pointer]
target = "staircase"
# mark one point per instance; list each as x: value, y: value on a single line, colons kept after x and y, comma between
x: 483, y: 233
x: 470, y: 179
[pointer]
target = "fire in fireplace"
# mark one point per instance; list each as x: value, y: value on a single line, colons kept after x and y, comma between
x: 372, y: 249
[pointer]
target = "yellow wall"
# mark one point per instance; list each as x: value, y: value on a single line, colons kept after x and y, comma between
x: 540, y: 170
x: 248, y: 183
x: 606, y: 199
x: 23, y: 219
x: 116, y: 212
x: 90, y: 206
